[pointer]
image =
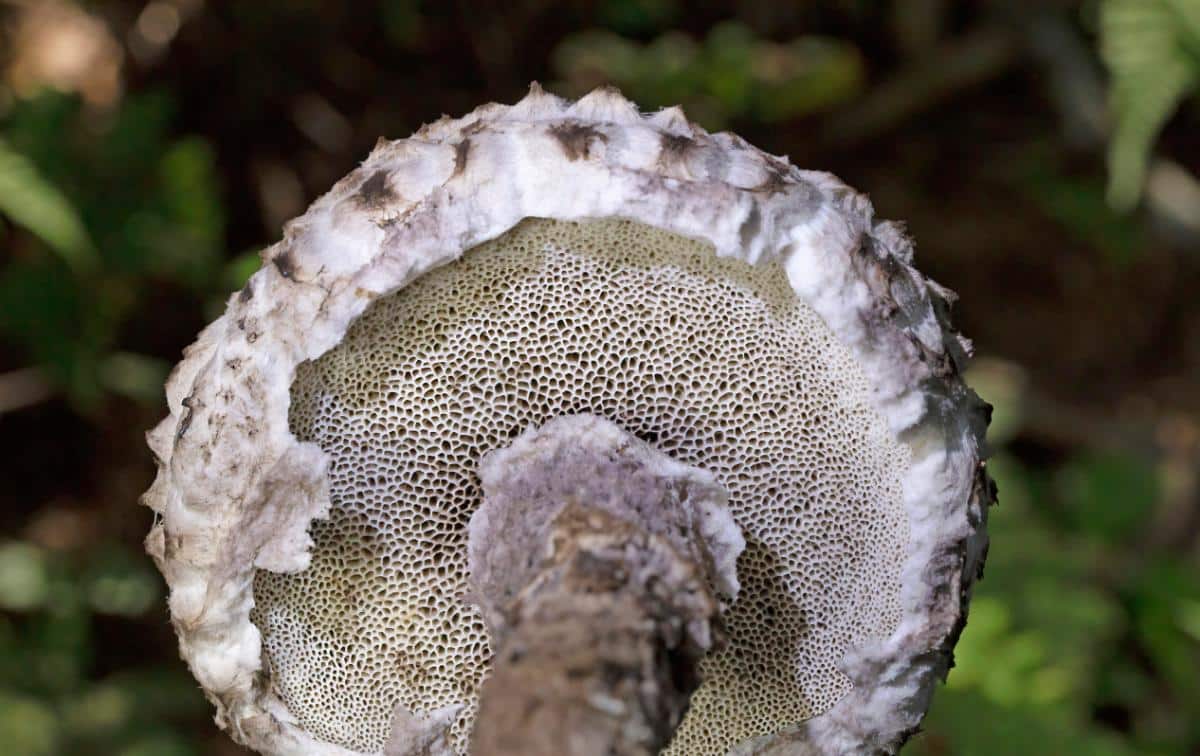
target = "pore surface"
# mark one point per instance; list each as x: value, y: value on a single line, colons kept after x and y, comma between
x: 715, y: 362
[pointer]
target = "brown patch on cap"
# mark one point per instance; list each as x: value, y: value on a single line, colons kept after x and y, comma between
x: 186, y: 421
x: 773, y: 184
x: 675, y: 148
x: 285, y: 264
x: 576, y: 139
x: 777, y: 180
x: 474, y: 127
x: 461, y: 151
x: 376, y: 191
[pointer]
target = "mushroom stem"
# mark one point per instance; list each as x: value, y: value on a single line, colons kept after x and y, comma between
x: 593, y: 560
x: 595, y: 657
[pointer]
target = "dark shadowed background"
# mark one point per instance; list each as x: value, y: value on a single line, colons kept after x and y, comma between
x: 1043, y: 153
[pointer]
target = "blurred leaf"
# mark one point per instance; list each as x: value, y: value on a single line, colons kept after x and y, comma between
x: 732, y: 74
x: 1108, y: 496
x: 1011, y: 666
x: 28, y: 727
x: 159, y: 744
x: 402, y: 22
x: 193, y: 213
x: 39, y: 128
x: 810, y: 75
x: 1078, y: 204
x: 729, y: 66
x: 100, y: 711
x: 162, y: 693
x: 133, y: 143
x: 43, y: 309
x: 190, y: 179
x: 1157, y: 594
x: 965, y: 722
x: 37, y: 205
x: 134, y: 375
x: 1038, y: 621
x: 154, y: 209
x: 1175, y: 655
x: 592, y: 57
x: 1187, y: 616
x: 122, y: 585
x: 1125, y: 681
x: 637, y: 16
x: 990, y: 621
x: 1152, y: 48
x: 60, y: 644
x: 24, y: 582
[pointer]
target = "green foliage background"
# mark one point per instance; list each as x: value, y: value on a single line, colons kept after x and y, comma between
x: 127, y: 217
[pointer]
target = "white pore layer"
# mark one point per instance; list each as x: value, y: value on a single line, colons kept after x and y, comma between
x: 719, y: 362
x: 237, y: 491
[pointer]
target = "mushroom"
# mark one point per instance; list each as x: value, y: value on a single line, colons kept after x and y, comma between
x: 320, y: 502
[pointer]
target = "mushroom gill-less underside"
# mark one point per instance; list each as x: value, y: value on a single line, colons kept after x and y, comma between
x: 716, y: 362
x: 749, y: 320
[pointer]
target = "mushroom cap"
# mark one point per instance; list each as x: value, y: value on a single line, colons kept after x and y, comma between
x: 237, y: 489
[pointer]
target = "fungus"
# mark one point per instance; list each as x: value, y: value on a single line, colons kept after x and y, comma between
x: 766, y: 339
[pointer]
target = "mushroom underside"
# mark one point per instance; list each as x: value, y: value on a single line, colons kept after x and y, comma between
x: 714, y: 361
